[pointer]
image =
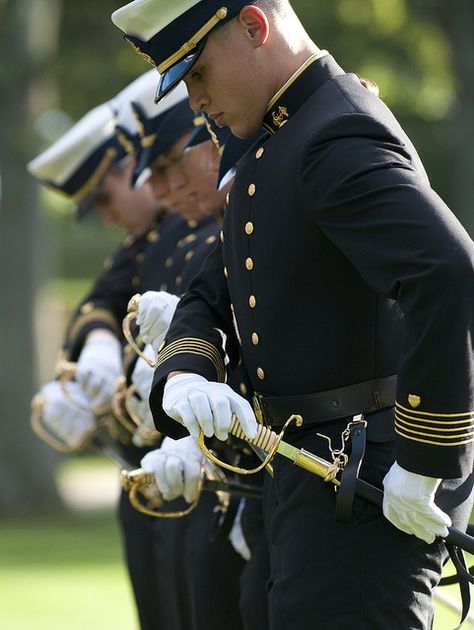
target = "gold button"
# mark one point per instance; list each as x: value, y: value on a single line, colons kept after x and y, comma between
x: 222, y: 236
x: 226, y: 273
x: 249, y: 227
x: 140, y: 257
x: 243, y: 389
x: 252, y: 301
x: 227, y: 198
x: 168, y: 262
x: 192, y: 224
x: 178, y: 280
x: 210, y: 239
x: 164, y: 287
x: 188, y: 256
x: 129, y: 240
x: 251, y: 190
x: 255, y: 339
x: 259, y: 153
x: 87, y: 308
x: 152, y: 236
x: 107, y: 264
x: 249, y: 264
x: 260, y: 374
x: 135, y: 282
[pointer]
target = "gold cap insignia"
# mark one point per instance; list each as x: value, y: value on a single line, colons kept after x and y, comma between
x: 280, y: 117
x: 146, y: 57
x: 414, y: 400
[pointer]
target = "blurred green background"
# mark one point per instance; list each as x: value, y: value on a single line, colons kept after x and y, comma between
x: 59, y: 58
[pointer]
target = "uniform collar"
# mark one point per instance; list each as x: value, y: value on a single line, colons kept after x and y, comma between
x: 299, y: 87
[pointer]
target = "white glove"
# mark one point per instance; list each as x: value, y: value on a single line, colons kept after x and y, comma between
x: 177, y: 468
x: 99, y: 367
x: 408, y: 504
x: 236, y: 535
x: 142, y: 376
x: 155, y: 312
x: 65, y: 419
x: 199, y: 404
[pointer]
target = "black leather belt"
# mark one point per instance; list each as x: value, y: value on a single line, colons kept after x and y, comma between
x: 333, y: 404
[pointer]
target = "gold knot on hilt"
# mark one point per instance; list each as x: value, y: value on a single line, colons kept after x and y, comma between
x: 133, y: 303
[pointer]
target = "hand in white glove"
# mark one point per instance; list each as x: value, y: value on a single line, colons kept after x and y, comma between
x: 142, y: 376
x: 177, y: 468
x: 155, y: 312
x: 409, y: 504
x: 99, y: 367
x: 65, y: 419
x: 236, y: 535
x: 199, y: 404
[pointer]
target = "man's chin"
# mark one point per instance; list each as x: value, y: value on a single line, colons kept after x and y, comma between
x: 245, y: 129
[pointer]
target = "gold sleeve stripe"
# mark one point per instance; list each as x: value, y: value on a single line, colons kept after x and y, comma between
x: 192, y: 344
x: 434, y: 422
x: 196, y: 346
x: 97, y: 315
x: 193, y: 349
x: 414, y: 439
x: 465, y: 414
x: 462, y: 434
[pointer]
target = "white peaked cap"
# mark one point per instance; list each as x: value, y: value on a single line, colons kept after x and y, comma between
x: 58, y: 163
x: 144, y: 18
x: 141, y: 91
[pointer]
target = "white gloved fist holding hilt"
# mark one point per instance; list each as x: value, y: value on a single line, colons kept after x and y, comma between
x: 199, y: 404
x: 70, y: 422
x: 177, y: 468
x: 99, y: 367
x: 409, y: 504
x: 155, y: 312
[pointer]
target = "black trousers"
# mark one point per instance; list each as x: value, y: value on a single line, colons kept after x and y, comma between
x: 155, y: 560
x: 213, y: 570
x: 361, y: 575
x: 256, y: 572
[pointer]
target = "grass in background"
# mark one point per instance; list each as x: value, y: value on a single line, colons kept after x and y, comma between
x: 64, y: 574
x: 67, y: 573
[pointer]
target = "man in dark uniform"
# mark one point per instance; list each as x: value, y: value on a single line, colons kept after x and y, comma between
x: 343, y: 268
x: 76, y: 165
x: 214, y: 571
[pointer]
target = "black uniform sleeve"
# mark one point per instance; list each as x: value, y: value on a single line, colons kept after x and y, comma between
x: 106, y: 305
x: 372, y: 201
x: 200, y: 337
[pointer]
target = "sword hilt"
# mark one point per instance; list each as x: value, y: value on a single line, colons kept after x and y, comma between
x: 266, y: 439
x: 132, y: 312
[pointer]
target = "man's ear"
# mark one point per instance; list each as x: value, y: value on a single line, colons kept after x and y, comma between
x: 256, y: 25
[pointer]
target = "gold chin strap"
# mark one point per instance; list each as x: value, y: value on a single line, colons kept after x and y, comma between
x: 140, y: 482
x: 266, y: 440
x: 132, y: 312
x: 193, y: 41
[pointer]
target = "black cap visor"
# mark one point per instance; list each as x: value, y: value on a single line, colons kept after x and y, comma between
x: 170, y: 78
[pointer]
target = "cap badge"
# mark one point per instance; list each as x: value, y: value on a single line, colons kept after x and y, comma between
x: 146, y: 57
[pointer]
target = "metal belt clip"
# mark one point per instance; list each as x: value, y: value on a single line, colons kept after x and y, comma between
x: 339, y: 456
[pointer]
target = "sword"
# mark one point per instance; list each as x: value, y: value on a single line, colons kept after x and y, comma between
x: 273, y: 443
